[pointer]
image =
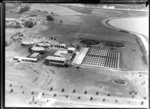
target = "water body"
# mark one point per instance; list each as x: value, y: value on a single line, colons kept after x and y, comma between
x: 138, y: 25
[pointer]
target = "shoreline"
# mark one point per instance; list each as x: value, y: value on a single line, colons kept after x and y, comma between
x: 143, y: 39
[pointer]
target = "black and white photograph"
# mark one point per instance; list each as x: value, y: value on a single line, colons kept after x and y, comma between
x: 76, y: 54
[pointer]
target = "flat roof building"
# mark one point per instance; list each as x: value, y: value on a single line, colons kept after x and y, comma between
x: 27, y: 43
x: 71, y: 49
x: 60, y: 45
x: 53, y: 60
x: 43, y: 44
x: 27, y: 59
x: 34, y: 55
x: 56, y: 58
x: 10, y: 19
x: 34, y: 48
x: 61, y: 53
x: 80, y: 56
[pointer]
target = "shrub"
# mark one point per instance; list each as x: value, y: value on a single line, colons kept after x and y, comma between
x: 60, y: 21
x: 23, y: 9
x: 28, y: 24
x: 50, y: 18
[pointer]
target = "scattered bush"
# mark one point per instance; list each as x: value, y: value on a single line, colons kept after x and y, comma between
x: 12, y: 24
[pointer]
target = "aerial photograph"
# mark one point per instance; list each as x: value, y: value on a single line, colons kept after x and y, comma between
x: 76, y: 55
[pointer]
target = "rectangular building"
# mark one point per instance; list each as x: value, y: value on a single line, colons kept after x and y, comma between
x: 27, y: 59
x: 71, y: 49
x: 61, y: 53
x: 80, y: 56
x: 53, y: 60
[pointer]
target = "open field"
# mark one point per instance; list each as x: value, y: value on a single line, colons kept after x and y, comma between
x: 31, y: 79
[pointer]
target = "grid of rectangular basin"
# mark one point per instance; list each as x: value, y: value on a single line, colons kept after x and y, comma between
x: 102, y: 58
x: 112, y: 54
x: 95, y: 60
x: 98, y: 52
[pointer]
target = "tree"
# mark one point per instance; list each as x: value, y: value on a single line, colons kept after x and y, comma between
x: 66, y: 65
x: 52, y: 12
x: 77, y: 47
x: 28, y: 24
x: 50, y: 18
x: 11, y: 90
x: 51, y: 38
x: 60, y: 21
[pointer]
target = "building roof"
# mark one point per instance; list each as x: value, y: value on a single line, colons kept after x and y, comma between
x: 63, y: 44
x: 34, y: 55
x: 81, y: 55
x: 19, y: 57
x: 38, y: 48
x: 43, y: 44
x: 61, y: 53
x: 9, y: 19
x: 56, y: 58
x: 71, y: 48
x: 27, y: 42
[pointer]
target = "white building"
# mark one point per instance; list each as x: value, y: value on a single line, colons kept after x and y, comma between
x: 80, y: 56
x: 43, y: 44
x: 71, y: 49
x: 61, y: 53
x: 27, y: 43
x: 37, y: 49
x: 27, y: 59
x: 10, y: 19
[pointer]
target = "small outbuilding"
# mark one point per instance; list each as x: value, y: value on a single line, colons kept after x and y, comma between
x: 71, y: 49
x: 37, y: 49
x: 27, y: 43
